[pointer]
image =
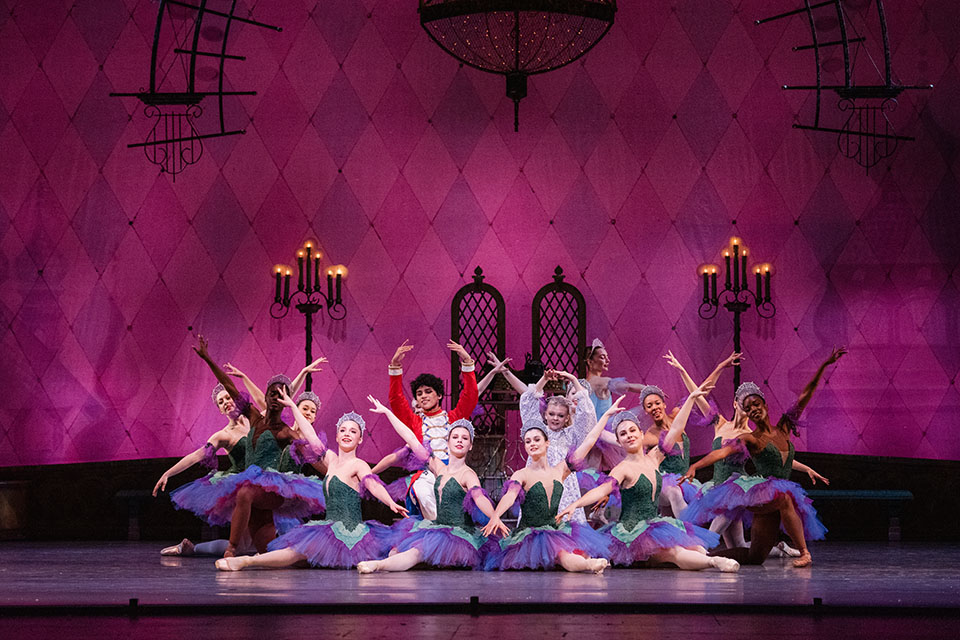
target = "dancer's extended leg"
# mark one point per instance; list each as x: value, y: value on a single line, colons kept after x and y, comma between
x: 273, y: 560
x: 574, y: 562
x: 691, y: 560
x: 397, y: 562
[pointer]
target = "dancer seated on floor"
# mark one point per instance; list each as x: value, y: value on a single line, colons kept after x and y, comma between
x: 342, y: 538
x: 725, y: 432
x: 769, y: 496
x: 431, y: 423
x: 539, y: 542
x: 232, y: 439
x: 268, y: 487
x: 641, y: 535
x: 450, y: 540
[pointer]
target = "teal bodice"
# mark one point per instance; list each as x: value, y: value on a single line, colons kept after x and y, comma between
x: 343, y: 503
x: 677, y: 464
x: 639, y: 502
x: 450, y: 504
x: 266, y: 453
x: 238, y: 456
x: 723, y: 469
x: 286, y: 463
x: 537, y: 510
x: 770, y: 463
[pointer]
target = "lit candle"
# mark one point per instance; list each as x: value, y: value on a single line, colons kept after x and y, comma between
x: 726, y: 263
x: 759, y: 288
x: 743, y: 264
x: 286, y: 288
x: 276, y: 295
x: 713, y: 284
x: 330, y: 286
x: 316, y: 271
x: 736, y: 267
x: 766, y: 284
x: 706, y: 286
x: 339, y: 280
x: 299, y: 270
x: 307, y: 270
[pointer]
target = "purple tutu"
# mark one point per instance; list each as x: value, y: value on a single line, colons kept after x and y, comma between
x: 737, y: 494
x: 214, y: 497
x: 648, y: 537
x: 690, y: 488
x: 444, y: 546
x: 329, y: 544
x: 538, y: 547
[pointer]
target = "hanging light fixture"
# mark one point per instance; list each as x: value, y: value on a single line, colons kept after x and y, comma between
x: 517, y: 38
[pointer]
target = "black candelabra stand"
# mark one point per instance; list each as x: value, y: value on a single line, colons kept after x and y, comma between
x: 736, y: 295
x: 309, y: 297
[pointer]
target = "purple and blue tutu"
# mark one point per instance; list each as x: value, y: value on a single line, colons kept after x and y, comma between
x: 689, y: 489
x: 214, y: 497
x: 442, y: 545
x: 648, y: 537
x: 734, y: 497
x: 330, y: 544
x: 538, y: 547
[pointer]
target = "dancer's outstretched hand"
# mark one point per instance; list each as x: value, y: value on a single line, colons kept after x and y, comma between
x: 458, y: 348
x: 615, y: 407
x: 285, y: 399
x: 703, y: 390
x: 377, y: 406
x: 672, y: 361
x: 161, y: 485
x: 314, y: 367
x: 232, y: 370
x: 836, y: 354
x: 398, y: 355
x: 495, y: 526
x: 689, y: 475
x: 201, y: 348
x: 566, y: 513
x: 814, y: 476
x: 600, y: 505
x: 396, y: 508
x: 734, y: 359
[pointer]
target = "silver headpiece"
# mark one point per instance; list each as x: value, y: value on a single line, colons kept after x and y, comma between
x: 217, y: 390
x: 279, y: 378
x: 651, y: 390
x: 596, y: 344
x: 352, y: 417
x: 746, y: 390
x: 534, y: 424
x: 309, y: 395
x: 620, y: 417
x: 466, y: 424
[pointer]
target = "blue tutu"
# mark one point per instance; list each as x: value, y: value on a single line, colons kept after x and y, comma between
x: 689, y: 489
x: 442, y: 545
x: 639, y: 543
x: 330, y: 544
x: 734, y: 497
x: 214, y: 497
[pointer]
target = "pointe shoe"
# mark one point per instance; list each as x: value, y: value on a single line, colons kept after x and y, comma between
x: 185, y: 548
x: 726, y: 565
x: 788, y: 550
x: 805, y: 559
x: 368, y: 566
x: 598, y: 565
x: 229, y: 564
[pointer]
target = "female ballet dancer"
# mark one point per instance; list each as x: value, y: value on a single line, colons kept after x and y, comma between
x: 250, y: 500
x: 769, y: 495
x: 603, y: 388
x: 342, y: 538
x: 641, y: 535
x: 232, y: 439
x: 451, y: 540
x: 539, y: 542
x: 725, y: 432
x: 259, y: 400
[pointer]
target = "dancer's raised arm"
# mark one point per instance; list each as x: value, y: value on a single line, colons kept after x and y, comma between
x: 518, y: 385
x: 408, y: 437
x: 499, y: 366
x: 201, y: 350
x: 731, y: 360
x: 807, y: 393
x: 313, y: 367
x: 309, y: 433
x: 256, y: 395
x: 593, y: 496
x: 680, y: 421
x: 580, y: 453
x: 469, y: 394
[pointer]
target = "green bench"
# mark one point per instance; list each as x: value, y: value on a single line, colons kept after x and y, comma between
x: 894, y: 500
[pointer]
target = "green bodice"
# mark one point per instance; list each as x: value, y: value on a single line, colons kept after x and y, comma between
x: 537, y: 510
x: 343, y: 503
x: 238, y: 456
x: 450, y: 504
x: 770, y: 464
x: 677, y: 464
x: 639, y: 502
x: 723, y: 469
x: 266, y: 453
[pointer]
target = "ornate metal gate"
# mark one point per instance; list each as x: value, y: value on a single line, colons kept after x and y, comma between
x: 560, y: 326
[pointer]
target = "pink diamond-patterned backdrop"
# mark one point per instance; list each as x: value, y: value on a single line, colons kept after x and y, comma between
x: 629, y: 170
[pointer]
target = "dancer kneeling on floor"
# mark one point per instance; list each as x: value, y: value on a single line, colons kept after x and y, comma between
x: 641, y: 535
x: 342, y: 539
x: 450, y: 539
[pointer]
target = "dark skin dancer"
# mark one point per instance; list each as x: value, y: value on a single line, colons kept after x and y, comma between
x: 764, y: 534
x: 255, y: 506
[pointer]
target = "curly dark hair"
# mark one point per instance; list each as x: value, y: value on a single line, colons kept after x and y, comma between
x: 427, y: 380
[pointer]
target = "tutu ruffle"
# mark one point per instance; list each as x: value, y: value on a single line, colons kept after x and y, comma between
x: 538, y: 547
x: 690, y: 488
x: 734, y: 497
x: 329, y: 544
x: 444, y: 546
x: 648, y: 537
x: 214, y: 497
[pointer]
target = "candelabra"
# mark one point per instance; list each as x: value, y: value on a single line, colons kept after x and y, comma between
x: 736, y: 296
x: 309, y: 299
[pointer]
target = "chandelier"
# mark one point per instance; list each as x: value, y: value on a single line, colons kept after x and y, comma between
x: 517, y: 38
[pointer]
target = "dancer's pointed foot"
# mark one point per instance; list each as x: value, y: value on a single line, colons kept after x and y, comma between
x: 597, y: 565
x: 368, y: 566
x: 805, y: 559
x: 185, y: 548
x: 788, y: 550
x: 231, y: 564
x: 726, y: 565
